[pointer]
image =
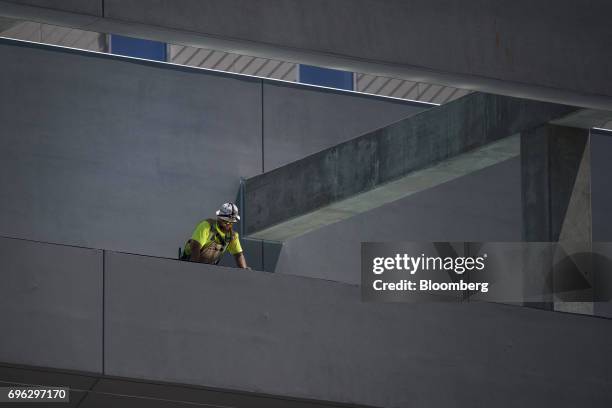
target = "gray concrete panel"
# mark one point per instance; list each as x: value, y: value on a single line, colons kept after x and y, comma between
x: 387, y: 154
x: 51, y: 305
x: 311, y: 338
x: 112, y: 153
x: 301, y: 120
x: 252, y: 250
x: 601, y: 196
x: 90, y: 7
x: 482, y: 206
x: 556, y: 201
x: 601, y: 168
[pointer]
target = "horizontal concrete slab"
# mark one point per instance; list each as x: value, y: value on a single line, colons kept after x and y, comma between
x: 293, y: 336
x: 388, y: 154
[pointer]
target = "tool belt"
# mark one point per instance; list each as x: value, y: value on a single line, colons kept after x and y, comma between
x: 212, y: 252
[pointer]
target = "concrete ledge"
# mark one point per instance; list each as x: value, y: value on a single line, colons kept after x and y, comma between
x: 311, y: 338
x: 50, y: 305
x: 284, y: 335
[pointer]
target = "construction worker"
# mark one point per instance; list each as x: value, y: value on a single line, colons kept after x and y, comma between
x: 211, y: 238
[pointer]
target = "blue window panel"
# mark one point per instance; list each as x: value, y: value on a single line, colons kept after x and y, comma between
x: 332, y: 78
x: 136, y: 47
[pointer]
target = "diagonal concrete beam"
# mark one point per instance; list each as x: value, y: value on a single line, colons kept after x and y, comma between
x: 413, y: 183
x: 411, y: 155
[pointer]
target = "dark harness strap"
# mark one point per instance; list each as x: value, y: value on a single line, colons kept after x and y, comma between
x: 214, y: 234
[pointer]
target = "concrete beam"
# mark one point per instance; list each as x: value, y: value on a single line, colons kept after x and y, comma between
x: 550, y: 51
x: 323, y: 180
x: 403, y: 187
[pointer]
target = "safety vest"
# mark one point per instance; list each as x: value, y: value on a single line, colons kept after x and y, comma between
x: 213, y: 250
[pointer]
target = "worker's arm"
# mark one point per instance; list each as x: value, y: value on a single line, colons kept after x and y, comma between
x: 241, y: 261
x: 198, y: 239
x: 195, y: 250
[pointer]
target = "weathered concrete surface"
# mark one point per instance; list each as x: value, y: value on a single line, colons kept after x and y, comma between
x: 311, y: 338
x: 387, y: 154
x: 549, y: 50
x: 50, y: 305
x: 404, y: 187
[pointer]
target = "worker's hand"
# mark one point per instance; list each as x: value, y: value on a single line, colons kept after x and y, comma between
x: 240, y: 261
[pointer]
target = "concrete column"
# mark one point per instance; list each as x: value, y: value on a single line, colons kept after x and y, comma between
x: 556, y: 197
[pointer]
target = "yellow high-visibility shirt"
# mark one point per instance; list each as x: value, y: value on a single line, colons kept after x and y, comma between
x: 202, y: 235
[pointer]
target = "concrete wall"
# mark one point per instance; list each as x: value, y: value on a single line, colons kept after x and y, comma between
x: 482, y: 206
x: 301, y: 120
x: 311, y: 338
x: 288, y: 335
x: 50, y: 305
x: 105, y: 152
x: 601, y: 198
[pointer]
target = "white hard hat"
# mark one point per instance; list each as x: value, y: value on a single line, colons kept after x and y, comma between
x: 228, y: 212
